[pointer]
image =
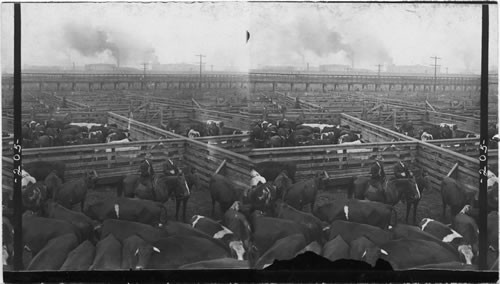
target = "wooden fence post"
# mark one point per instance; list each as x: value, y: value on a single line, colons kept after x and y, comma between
x: 219, y: 168
x: 452, y: 171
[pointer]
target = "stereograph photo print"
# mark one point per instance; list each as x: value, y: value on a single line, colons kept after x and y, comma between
x: 246, y: 136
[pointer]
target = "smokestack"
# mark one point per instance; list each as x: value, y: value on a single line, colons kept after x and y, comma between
x: 307, y: 66
x: 352, y: 59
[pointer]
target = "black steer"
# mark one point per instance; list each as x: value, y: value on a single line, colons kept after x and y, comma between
x: 267, y: 230
x: 283, y: 249
x: 80, y: 258
x: 175, y: 251
x: 331, y: 211
x: 406, y: 254
x: 220, y: 263
x: 41, y: 169
x: 38, y: 231
x: 365, y: 250
x: 53, y: 255
x: 129, y: 209
x: 130, y: 252
x: 124, y: 229
x: 84, y: 224
x: 351, y: 231
x: 369, y: 212
x: 336, y: 249
x: 271, y: 170
x: 315, y: 225
x: 108, y: 254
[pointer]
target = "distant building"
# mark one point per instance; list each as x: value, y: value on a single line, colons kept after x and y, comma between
x: 312, y: 69
x: 100, y: 67
x: 334, y: 68
x: 178, y: 67
x: 27, y: 68
x: 279, y: 68
x: 412, y: 69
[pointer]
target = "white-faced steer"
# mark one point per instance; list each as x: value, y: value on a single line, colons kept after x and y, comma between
x: 448, y: 235
x: 218, y: 231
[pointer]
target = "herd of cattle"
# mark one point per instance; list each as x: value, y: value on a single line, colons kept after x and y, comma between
x: 276, y: 218
x: 51, y: 133
x: 263, y: 134
x: 290, y: 133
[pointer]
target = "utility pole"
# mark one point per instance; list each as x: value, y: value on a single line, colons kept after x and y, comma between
x: 201, y: 64
x: 435, y: 71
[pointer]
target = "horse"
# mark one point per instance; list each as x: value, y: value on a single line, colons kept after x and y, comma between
x: 263, y: 196
x: 408, y: 191
x: 162, y: 188
x: 304, y: 192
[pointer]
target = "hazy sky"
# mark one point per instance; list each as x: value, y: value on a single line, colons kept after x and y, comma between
x: 280, y: 34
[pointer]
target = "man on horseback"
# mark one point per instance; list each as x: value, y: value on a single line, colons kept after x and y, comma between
x: 378, y: 178
x: 402, y: 171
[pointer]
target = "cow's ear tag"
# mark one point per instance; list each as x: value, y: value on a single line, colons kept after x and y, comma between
x: 156, y: 249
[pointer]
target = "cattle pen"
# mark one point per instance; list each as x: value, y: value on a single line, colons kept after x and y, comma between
x: 338, y: 160
x: 234, y: 156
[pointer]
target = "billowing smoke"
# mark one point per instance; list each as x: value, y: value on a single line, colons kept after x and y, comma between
x: 93, y: 42
x: 317, y: 37
x: 312, y: 40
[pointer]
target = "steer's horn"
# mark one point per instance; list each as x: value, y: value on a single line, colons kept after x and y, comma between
x: 326, y: 174
x: 95, y: 173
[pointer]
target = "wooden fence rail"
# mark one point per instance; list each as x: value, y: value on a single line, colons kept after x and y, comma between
x: 108, y: 159
x: 469, y: 124
x: 465, y: 146
x: 231, y: 120
x: 206, y: 159
x: 139, y: 130
x: 372, y: 132
x: 341, y: 160
x: 439, y: 161
x: 236, y: 143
